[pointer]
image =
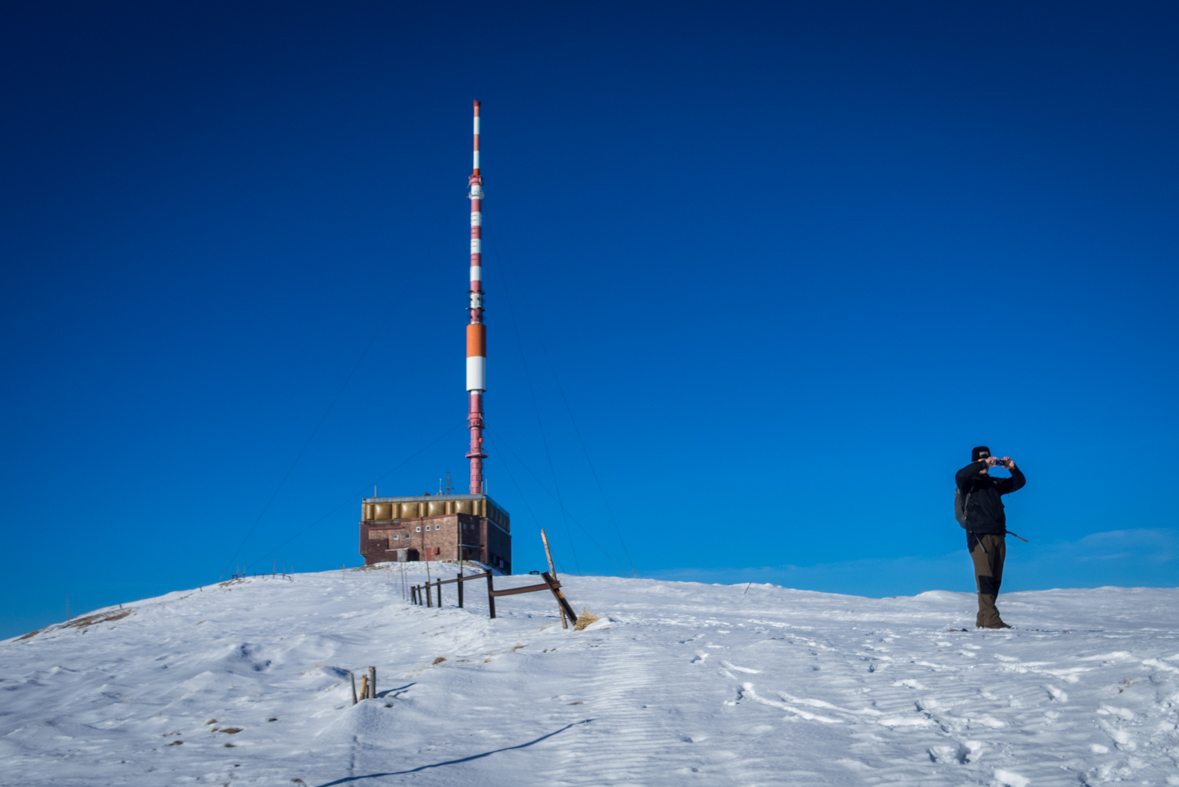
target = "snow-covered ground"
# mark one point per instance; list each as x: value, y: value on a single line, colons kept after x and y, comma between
x: 679, y: 683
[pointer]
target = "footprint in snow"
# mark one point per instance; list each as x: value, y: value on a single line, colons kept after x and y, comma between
x: 740, y: 669
x: 1011, y: 778
x: 963, y: 753
x: 1125, y: 714
x: 1056, y: 694
x: 747, y: 693
x: 986, y: 720
x: 1122, y: 739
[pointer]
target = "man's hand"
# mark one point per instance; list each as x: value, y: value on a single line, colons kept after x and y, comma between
x: 1006, y: 462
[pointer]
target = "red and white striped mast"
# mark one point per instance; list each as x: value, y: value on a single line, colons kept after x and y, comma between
x: 476, y: 330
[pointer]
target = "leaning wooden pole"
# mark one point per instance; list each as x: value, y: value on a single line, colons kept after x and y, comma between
x: 562, y: 602
x: 553, y: 574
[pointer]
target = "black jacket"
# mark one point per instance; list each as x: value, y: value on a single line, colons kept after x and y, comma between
x: 984, y: 510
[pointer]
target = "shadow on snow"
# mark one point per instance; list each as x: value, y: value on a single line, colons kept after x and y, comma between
x: 348, y: 779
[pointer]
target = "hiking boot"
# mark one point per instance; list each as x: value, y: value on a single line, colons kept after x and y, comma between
x: 988, y: 614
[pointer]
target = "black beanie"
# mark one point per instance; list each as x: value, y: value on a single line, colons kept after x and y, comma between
x: 980, y: 452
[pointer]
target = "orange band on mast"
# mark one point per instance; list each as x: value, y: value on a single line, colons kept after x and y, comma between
x: 477, y: 340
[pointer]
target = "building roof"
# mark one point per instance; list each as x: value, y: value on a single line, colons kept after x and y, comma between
x: 426, y: 499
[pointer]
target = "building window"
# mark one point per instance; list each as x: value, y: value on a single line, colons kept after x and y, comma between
x: 419, y: 528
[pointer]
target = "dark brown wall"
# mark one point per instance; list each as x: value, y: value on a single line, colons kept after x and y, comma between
x: 441, y: 541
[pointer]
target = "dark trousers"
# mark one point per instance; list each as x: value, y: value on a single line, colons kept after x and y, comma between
x: 988, y: 553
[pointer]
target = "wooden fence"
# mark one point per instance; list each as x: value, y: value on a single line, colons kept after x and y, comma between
x: 424, y: 594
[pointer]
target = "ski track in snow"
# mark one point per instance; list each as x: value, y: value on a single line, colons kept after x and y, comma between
x: 680, y: 683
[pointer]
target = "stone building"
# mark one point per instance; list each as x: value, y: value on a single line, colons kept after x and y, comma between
x: 442, y: 527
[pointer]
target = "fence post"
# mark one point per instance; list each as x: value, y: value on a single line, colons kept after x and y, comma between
x: 372, y: 682
x: 460, y: 585
x: 562, y: 602
x: 553, y: 573
x: 490, y: 598
x: 438, y: 584
x: 429, y: 596
x: 352, y: 675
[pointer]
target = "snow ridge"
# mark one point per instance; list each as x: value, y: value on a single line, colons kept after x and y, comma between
x: 679, y: 683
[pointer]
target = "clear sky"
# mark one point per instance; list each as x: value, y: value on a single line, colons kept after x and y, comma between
x: 764, y: 271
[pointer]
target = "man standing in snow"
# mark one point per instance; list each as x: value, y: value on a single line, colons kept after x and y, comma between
x: 986, y: 526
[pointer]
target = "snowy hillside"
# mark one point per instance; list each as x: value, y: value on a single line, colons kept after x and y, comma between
x: 680, y: 683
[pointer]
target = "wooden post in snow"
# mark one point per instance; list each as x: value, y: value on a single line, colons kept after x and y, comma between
x: 562, y: 602
x: 372, y: 682
x: 460, y: 584
x: 553, y: 574
x: 352, y: 675
x: 490, y: 597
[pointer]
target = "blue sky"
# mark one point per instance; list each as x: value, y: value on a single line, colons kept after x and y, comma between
x: 767, y: 271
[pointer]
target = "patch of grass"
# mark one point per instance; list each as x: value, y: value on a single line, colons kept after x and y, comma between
x: 228, y: 730
x: 99, y: 617
x: 439, y: 660
x: 30, y: 634
x: 584, y: 619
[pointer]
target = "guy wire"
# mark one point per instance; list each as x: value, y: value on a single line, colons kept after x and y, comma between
x: 352, y: 497
x: 500, y: 441
x: 536, y: 407
x: 315, y: 431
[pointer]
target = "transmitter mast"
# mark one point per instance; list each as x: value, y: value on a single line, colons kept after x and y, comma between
x: 476, y: 330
